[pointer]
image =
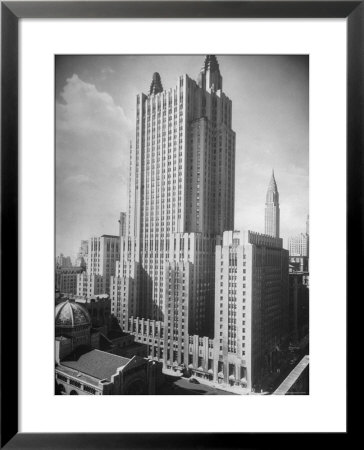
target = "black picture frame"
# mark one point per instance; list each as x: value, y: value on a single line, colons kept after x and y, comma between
x: 11, y: 12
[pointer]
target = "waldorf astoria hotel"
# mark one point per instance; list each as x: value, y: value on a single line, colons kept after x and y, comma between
x: 206, y: 300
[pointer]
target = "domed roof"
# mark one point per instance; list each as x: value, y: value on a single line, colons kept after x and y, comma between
x: 71, y: 314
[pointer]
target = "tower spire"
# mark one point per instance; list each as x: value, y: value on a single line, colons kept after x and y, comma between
x: 209, y: 76
x: 273, y: 184
x: 272, y: 208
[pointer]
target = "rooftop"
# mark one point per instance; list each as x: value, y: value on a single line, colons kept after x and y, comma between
x: 135, y: 346
x: 292, y: 377
x: 71, y: 314
x: 115, y: 334
x: 236, y: 237
x: 97, y: 364
x: 76, y: 374
x: 69, y: 270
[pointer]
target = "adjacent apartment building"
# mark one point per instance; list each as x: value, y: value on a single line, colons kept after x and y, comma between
x: 251, y: 306
x: 103, y: 252
x: 66, y: 279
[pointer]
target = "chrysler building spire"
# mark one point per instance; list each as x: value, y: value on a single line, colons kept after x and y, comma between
x: 272, y: 209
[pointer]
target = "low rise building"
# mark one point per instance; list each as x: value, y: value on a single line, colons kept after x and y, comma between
x: 99, y: 308
x: 103, y: 252
x: 73, y: 323
x: 66, y: 279
x: 102, y: 373
x: 101, y: 257
x: 90, y: 285
x: 299, y: 264
x: 63, y: 261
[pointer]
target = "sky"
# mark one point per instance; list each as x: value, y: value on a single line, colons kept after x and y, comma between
x: 95, y: 122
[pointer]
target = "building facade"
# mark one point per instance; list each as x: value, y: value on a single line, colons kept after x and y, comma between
x: 251, y: 307
x: 81, y: 259
x: 66, y: 279
x: 102, y: 373
x: 299, y: 284
x: 272, y: 212
x: 122, y: 224
x: 99, y: 309
x: 103, y: 252
x: 298, y: 305
x: 89, y: 285
x: 299, y: 264
x: 299, y: 251
x: 251, y: 316
x: 299, y: 245
x: 63, y: 261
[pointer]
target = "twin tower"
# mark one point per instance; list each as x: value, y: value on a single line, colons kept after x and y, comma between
x: 181, y: 200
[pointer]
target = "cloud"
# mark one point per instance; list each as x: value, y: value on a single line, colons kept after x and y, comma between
x: 92, y: 154
x: 86, y: 110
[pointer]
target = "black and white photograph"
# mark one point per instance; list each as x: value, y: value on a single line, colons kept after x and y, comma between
x: 182, y: 224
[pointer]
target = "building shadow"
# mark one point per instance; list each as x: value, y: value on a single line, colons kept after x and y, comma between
x: 147, y: 308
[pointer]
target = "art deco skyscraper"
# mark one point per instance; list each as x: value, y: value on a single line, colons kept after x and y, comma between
x: 181, y: 183
x: 103, y: 252
x: 272, y: 209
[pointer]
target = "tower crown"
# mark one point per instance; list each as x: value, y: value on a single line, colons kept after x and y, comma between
x: 156, y: 85
x: 272, y: 192
x: 209, y: 76
x: 211, y: 63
